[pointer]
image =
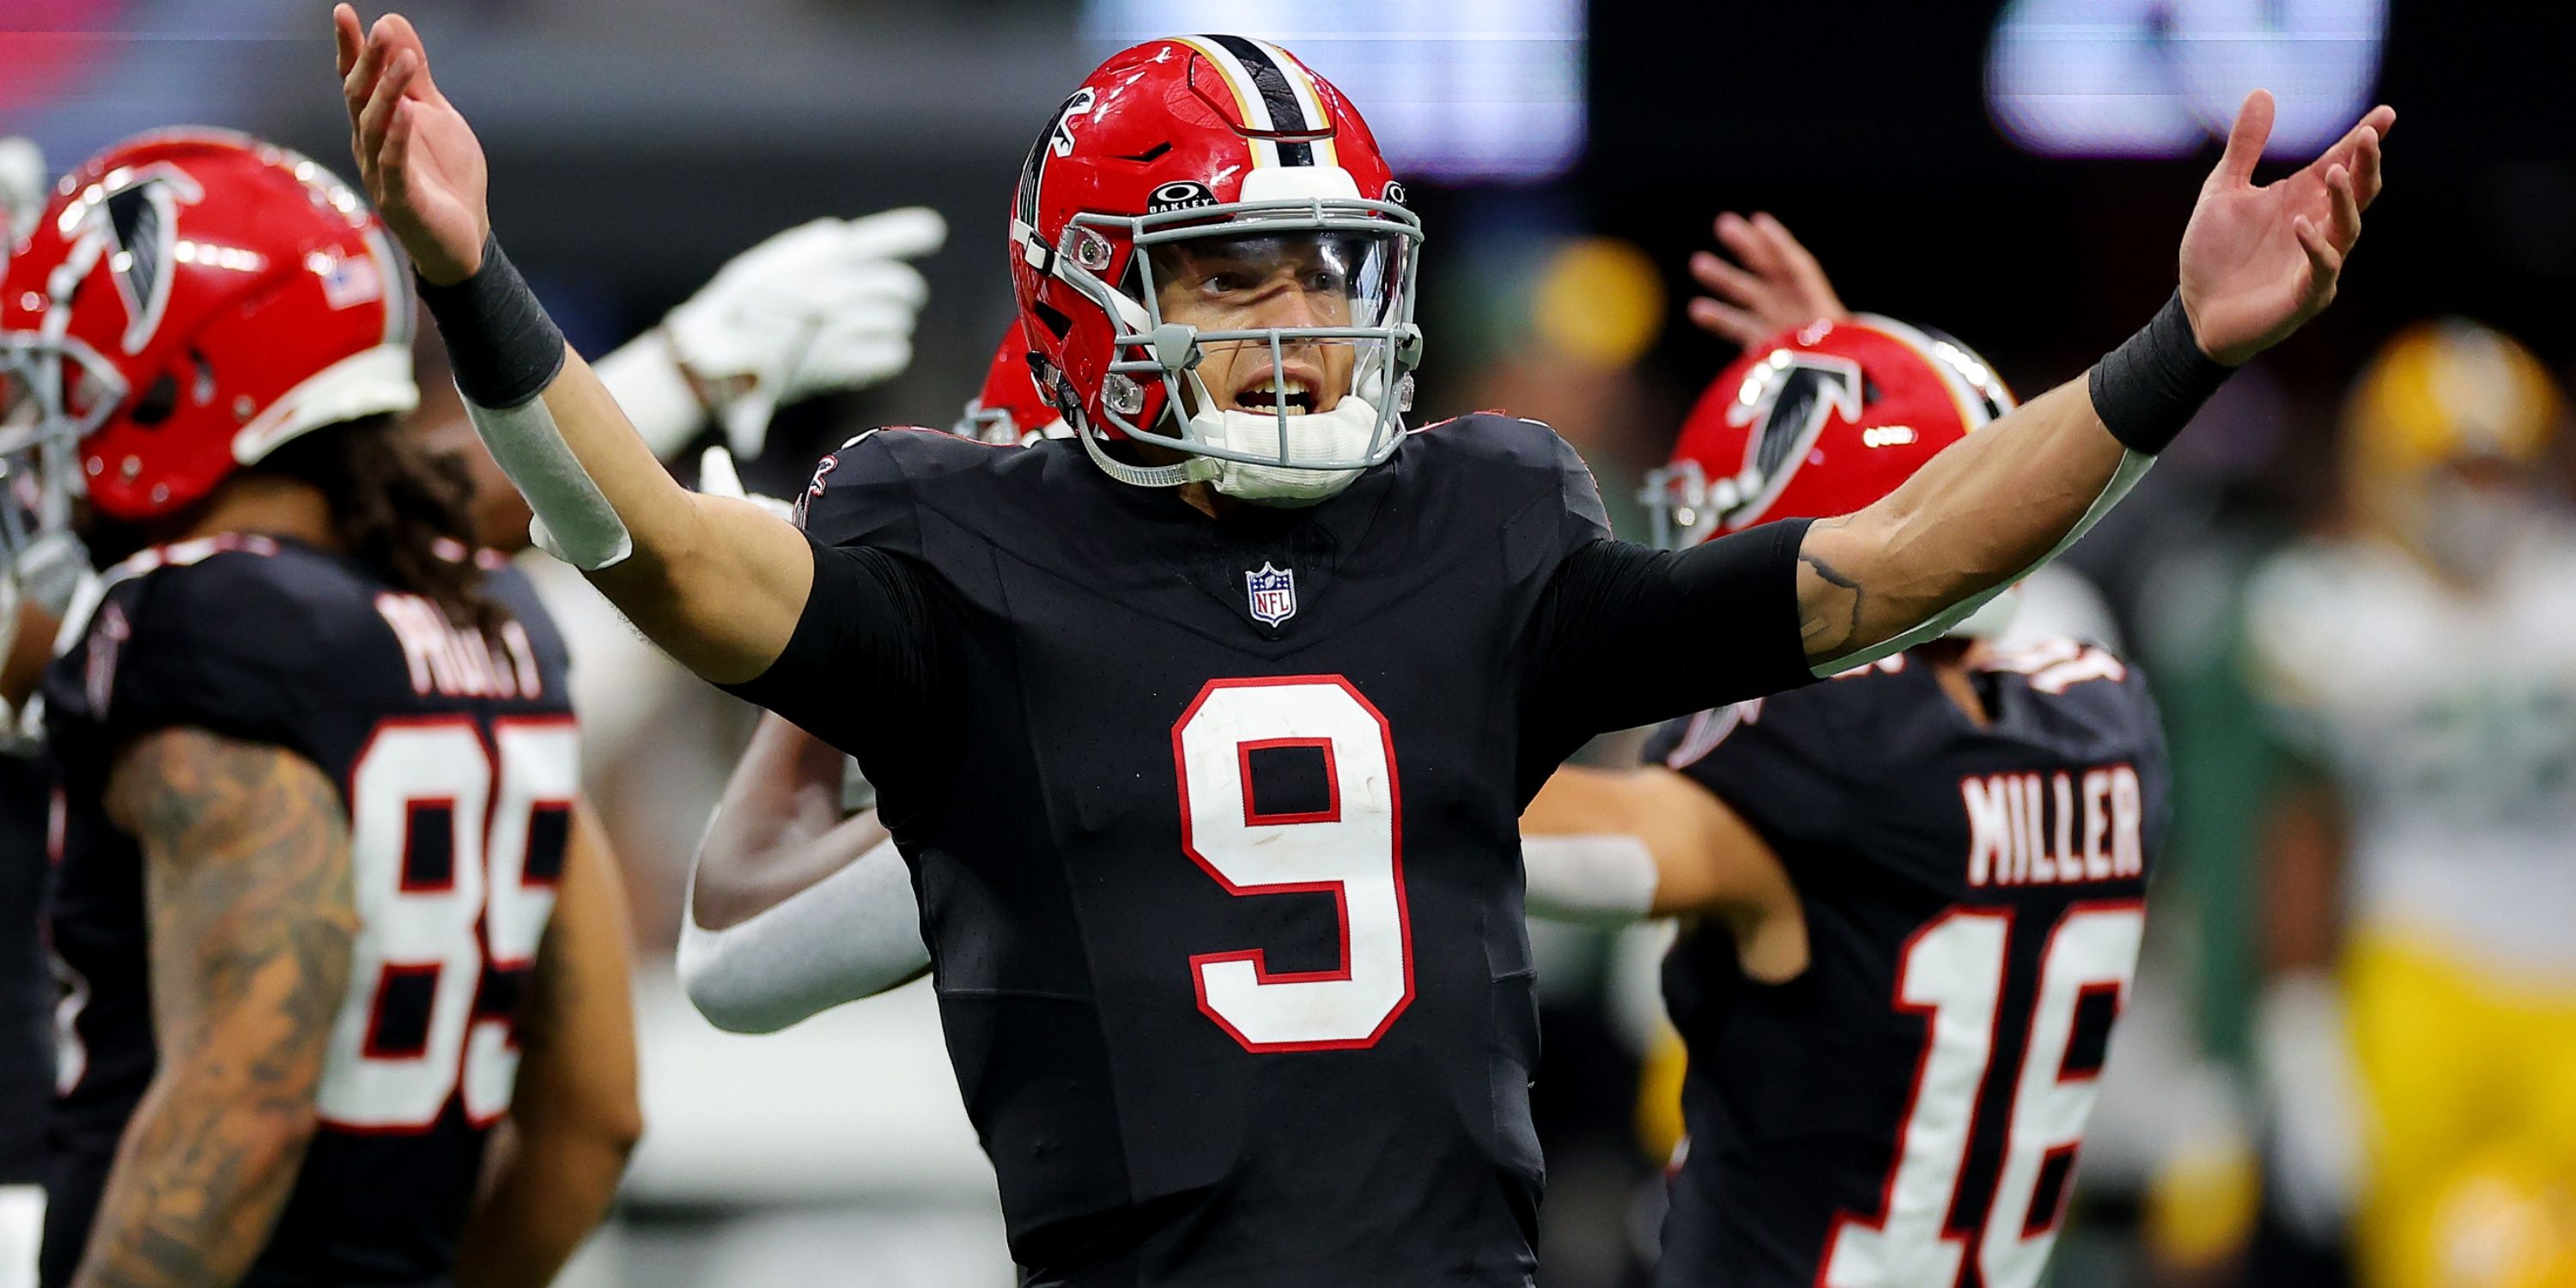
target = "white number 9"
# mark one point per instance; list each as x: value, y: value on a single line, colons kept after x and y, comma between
x: 1351, y: 848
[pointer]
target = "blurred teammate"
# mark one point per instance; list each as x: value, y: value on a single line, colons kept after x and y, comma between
x: 1208, y: 1071
x: 2422, y: 664
x: 26, y: 982
x: 345, y: 965
x: 1912, y: 894
x: 1010, y: 408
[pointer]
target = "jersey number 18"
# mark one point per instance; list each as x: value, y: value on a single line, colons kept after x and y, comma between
x: 1953, y: 975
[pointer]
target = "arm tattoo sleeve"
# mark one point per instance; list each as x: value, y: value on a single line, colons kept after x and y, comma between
x: 246, y: 854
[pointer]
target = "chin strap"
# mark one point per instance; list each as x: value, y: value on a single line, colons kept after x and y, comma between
x: 1136, y: 475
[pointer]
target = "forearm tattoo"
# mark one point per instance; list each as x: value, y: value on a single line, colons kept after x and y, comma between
x: 1830, y: 615
x: 247, y: 886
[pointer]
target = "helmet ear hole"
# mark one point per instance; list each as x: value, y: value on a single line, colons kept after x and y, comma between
x: 1054, y: 318
x: 159, y: 399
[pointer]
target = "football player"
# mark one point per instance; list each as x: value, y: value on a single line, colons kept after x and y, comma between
x: 2418, y: 1035
x: 1010, y: 408
x: 1208, y: 763
x: 346, y: 969
x: 26, y: 982
x: 1912, y: 893
x: 797, y: 899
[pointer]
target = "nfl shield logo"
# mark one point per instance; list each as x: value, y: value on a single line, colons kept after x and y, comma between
x: 1273, y: 592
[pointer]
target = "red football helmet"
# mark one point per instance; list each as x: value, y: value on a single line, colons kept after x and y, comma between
x: 1011, y: 408
x: 1816, y: 422
x: 188, y: 301
x: 1222, y: 149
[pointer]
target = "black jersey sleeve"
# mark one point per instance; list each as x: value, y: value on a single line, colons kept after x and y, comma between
x: 1629, y: 635
x: 866, y: 669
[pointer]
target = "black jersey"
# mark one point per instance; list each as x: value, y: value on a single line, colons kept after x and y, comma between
x: 1214, y: 825
x: 455, y: 756
x: 1907, y: 1110
x: 26, y: 980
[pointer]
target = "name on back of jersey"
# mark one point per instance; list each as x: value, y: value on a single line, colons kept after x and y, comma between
x: 459, y: 661
x: 2057, y: 828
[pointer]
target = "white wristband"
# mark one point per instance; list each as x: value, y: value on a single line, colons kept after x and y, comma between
x: 1605, y: 879
x: 853, y: 934
x: 574, y: 521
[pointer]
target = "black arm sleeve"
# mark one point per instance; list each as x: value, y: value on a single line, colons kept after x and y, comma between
x: 867, y: 669
x: 1630, y: 635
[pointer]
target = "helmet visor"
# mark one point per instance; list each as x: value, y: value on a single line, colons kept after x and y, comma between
x: 1288, y: 324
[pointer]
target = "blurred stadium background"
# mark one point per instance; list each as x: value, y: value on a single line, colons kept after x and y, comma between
x: 2015, y: 173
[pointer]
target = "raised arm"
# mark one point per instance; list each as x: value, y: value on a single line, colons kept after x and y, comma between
x: 574, y: 1116
x: 716, y: 582
x: 793, y: 907
x: 2256, y: 264
x: 246, y: 885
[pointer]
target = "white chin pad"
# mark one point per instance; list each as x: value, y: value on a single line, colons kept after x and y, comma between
x: 574, y: 522
x: 1341, y: 434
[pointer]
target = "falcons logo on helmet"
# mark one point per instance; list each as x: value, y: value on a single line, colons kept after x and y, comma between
x: 130, y: 223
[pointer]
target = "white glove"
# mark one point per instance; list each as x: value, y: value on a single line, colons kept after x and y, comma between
x: 22, y: 188
x: 822, y: 306
x: 2303, y: 1048
x: 718, y: 477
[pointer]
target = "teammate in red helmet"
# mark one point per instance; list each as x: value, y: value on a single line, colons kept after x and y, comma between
x: 1010, y: 408
x: 26, y: 981
x: 328, y: 908
x: 1207, y: 764
x: 1912, y: 894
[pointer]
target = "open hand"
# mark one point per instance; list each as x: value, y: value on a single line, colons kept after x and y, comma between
x: 1777, y: 285
x: 823, y: 306
x: 421, y: 163
x: 2258, y: 262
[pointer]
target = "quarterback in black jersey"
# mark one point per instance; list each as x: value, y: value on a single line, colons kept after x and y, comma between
x: 328, y: 912
x: 1913, y: 892
x: 1207, y: 761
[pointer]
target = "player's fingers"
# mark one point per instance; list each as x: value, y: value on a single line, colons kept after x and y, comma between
x: 2325, y: 263
x: 378, y: 115
x: 1725, y: 280
x: 1747, y: 243
x: 2347, y: 207
x: 1726, y: 322
x: 2365, y: 170
x: 1790, y: 251
x: 360, y: 80
x: 405, y: 36
x: 841, y: 366
x: 347, y: 37
x: 2245, y: 142
x: 876, y: 283
x: 906, y: 232
x: 393, y: 155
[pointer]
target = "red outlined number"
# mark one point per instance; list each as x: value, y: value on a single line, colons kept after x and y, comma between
x: 1952, y: 973
x: 485, y: 914
x: 1352, y: 848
